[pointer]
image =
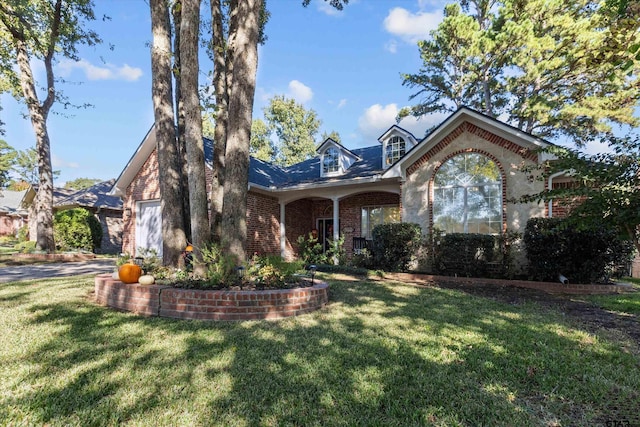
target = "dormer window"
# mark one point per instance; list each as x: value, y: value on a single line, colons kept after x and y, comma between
x: 330, y: 161
x: 396, y: 148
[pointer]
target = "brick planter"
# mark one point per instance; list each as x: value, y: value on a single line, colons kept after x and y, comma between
x: 166, y: 301
x: 549, y: 287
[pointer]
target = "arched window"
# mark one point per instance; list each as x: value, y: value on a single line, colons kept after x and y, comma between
x: 330, y: 161
x: 468, y: 195
x: 396, y: 148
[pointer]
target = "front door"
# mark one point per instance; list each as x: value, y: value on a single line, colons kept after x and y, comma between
x: 325, y: 232
x: 149, y: 226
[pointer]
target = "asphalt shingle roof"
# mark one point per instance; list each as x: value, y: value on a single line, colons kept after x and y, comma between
x: 95, y: 196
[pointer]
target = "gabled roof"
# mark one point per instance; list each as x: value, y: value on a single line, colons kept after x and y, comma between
x: 461, y: 115
x: 336, y: 144
x: 96, y: 196
x: 396, y: 129
x: 12, y: 201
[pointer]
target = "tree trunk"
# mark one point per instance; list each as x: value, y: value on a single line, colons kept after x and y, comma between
x: 189, y: 28
x: 174, y: 239
x: 38, y: 115
x: 179, y: 106
x: 221, y: 55
x: 246, y: 14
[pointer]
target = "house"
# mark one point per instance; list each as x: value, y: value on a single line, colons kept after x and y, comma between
x: 13, y: 214
x: 105, y: 207
x: 461, y: 177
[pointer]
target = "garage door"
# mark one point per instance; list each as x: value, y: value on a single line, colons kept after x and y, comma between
x: 149, y: 226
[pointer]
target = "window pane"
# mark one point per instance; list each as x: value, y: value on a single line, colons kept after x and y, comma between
x: 468, y: 195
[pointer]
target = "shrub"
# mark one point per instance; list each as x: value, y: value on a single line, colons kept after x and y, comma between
x: 150, y: 262
x: 272, y: 271
x: 25, y: 247
x: 23, y: 233
x: 470, y: 254
x: 556, y: 246
x: 221, y: 267
x: 394, y: 245
x: 310, y: 250
x: 77, y: 229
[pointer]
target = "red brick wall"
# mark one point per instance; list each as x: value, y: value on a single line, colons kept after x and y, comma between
x: 298, y: 222
x: 263, y: 224
x: 6, y: 225
x: 560, y: 208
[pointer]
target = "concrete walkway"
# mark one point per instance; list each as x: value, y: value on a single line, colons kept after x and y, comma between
x: 63, y: 269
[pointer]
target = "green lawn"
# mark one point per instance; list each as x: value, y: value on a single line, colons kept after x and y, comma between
x: 624, y: 303
x: 380, y: 354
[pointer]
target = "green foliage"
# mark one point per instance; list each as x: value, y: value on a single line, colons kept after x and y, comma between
x: 551, y: 68
x: 26, y: 166
x: 584, y: 255
x: 25, y: 247
x: 150, y: 262
x: 221, y: 268
x: 7, y: 159
x: 394, y: 245
x: 261, y: 147
x: 77, y: 229
x: 334, y: 135
x: 23, y: 233
x: 295, y: 127
x: 311, y: 251
x: 81, y: 183
x: 606, y: 186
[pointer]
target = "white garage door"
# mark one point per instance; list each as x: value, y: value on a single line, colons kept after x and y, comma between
x: 149, y: 226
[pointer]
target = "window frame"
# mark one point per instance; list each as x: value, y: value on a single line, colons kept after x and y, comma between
x: 392, y: 151
x: 367, y: 231
x: 335, y: 161
x: 464, y: 190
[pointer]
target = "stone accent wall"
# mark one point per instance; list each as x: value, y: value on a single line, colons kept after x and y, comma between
x: 112, y: 224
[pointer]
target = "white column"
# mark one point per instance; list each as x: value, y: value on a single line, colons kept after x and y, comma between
x: 283, y: 237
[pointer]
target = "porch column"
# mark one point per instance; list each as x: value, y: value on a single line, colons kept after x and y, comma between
x: 283, y: 238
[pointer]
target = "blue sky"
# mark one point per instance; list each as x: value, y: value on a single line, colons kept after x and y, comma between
x: 345, y: 65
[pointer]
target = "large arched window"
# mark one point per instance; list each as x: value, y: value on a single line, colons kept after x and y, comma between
x: 396, y: 148
x: 468, y: 195
x: 330, y: 161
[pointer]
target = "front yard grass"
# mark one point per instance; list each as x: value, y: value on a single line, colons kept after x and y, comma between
x: 381, y: 353
x: 628, y: 303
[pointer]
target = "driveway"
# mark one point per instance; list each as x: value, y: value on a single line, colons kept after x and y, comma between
x: 63, y: 269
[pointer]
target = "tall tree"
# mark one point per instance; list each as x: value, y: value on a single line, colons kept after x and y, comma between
x: 189, y: 30
x: 40, y: 30
x: 174, y: 239
x: 539, y: 73
x: 261, y: 146
x: 26, y: 166
x: 295, y: 127
x: 81, y: 183
x: 245, y: 20
x: 7, y: 159
x: 334, y: 135
x: 606, y: 186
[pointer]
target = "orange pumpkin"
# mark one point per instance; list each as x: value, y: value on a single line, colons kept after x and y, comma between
x: 130, y: 273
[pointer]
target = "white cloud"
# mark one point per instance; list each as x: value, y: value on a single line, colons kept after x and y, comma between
x: 57, y: 162
x: 342, y: 103
x: 391, y: 46
x: 300, y: 92
x: 377, y: 119
x: 411, y: 27
x: 93, y: 72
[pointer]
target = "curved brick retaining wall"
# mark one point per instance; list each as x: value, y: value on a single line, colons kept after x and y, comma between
x: 166, y: 301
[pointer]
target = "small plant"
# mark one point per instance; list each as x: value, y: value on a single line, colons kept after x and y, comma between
x: 23, y: 234
x: 151, y: 262
x: 27, y: 247
x: 311, y: 250
x: 122, y: 259
x: 221, y: 267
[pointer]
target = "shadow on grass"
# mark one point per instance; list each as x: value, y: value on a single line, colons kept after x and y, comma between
x: 379, y: 354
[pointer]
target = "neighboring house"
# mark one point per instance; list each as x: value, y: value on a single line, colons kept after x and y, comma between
x: 105, y: 207
x: 462, y: 177
x: 13, y: 214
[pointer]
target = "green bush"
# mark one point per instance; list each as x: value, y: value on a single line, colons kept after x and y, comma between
x: 394, y: 245
x: 23, y: 233
x: 470, y: 254
x: 25, y: 247
x: 310, y: 250
x: 221, y: 267
x: 556, y: 246
x: 77, y: 229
